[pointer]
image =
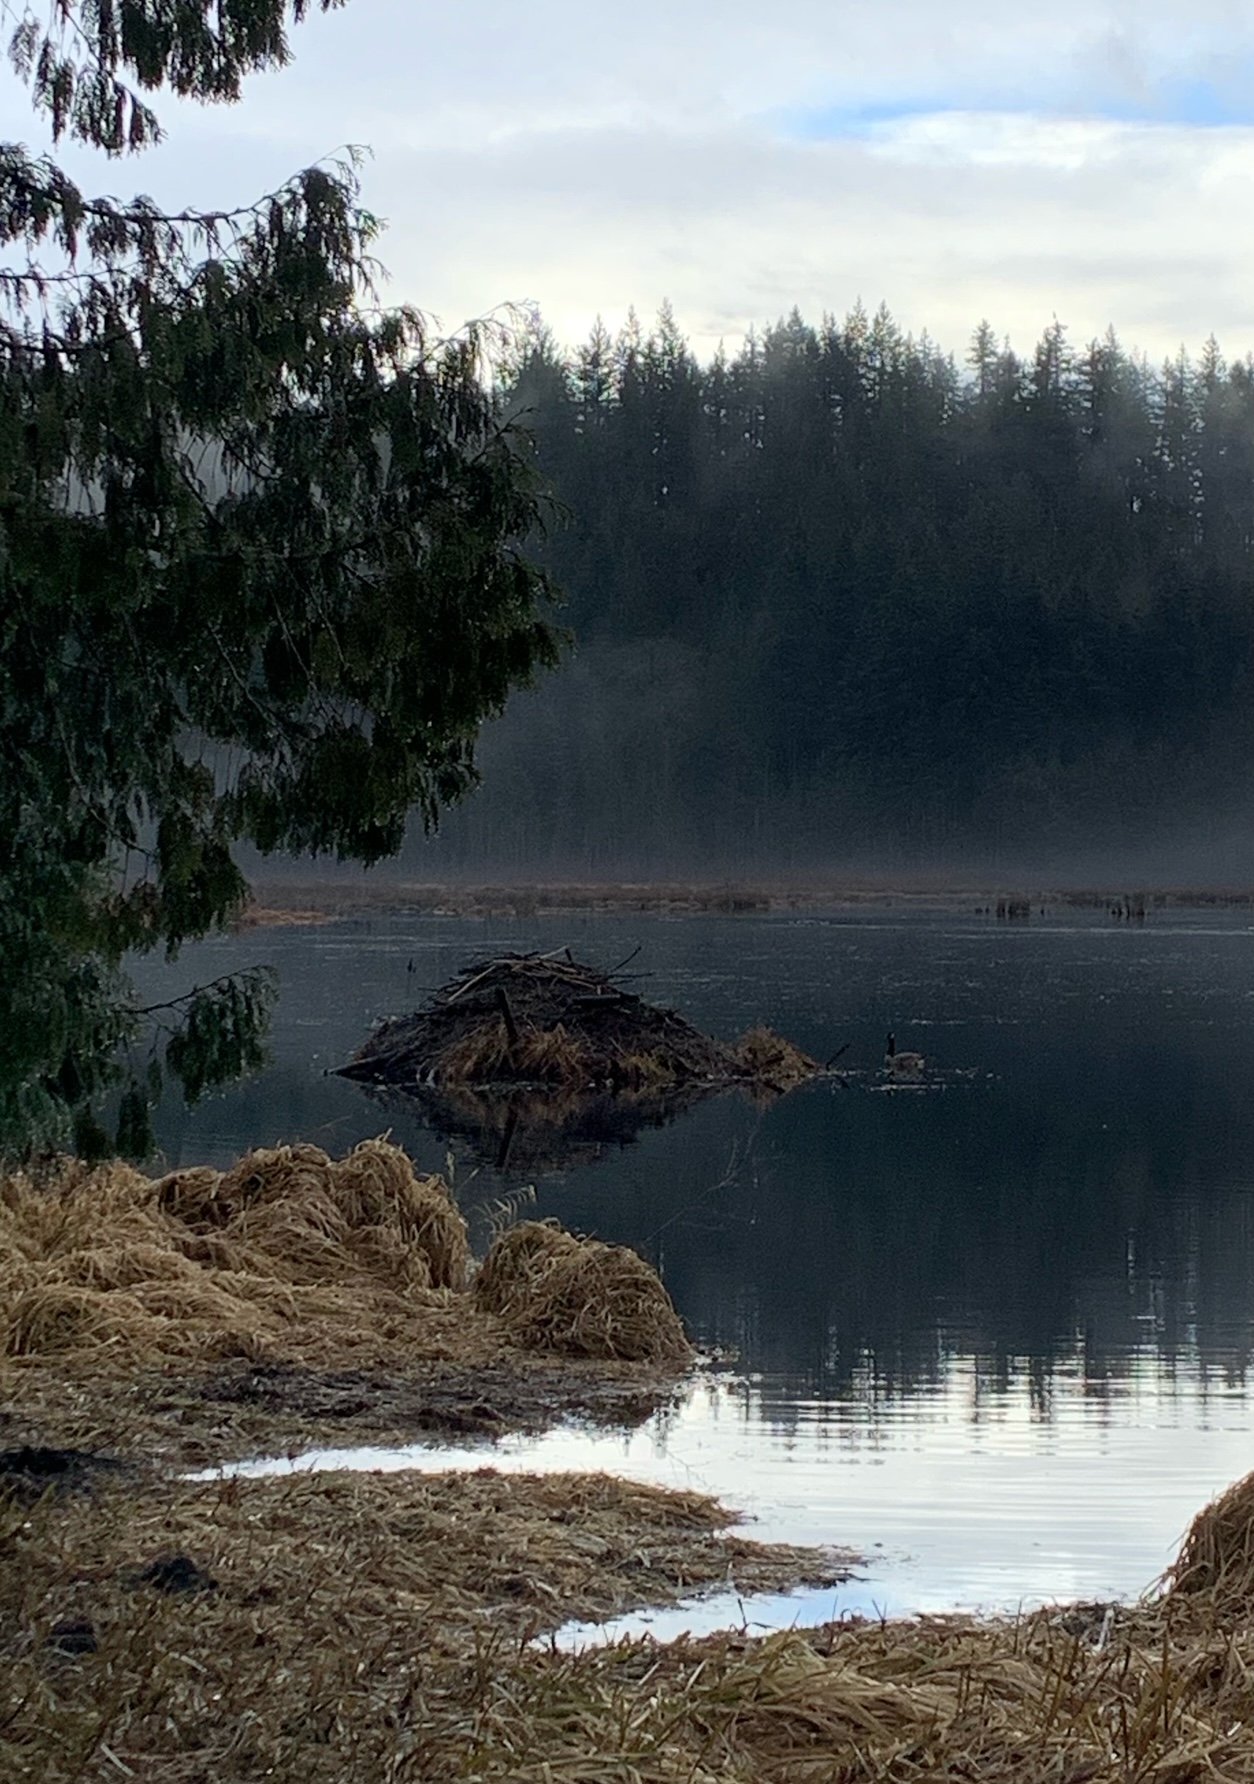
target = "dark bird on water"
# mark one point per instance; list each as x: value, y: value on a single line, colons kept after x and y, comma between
x: 904, y: 1064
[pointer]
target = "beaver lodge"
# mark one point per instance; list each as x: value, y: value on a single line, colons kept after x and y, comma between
x: 539, y: 1062
x: 549, y: 1020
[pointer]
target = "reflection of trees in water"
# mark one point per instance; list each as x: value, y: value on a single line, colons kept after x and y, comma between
x: 869, y: 1240
x: 969, y: 1388
x: 1051, y: 1222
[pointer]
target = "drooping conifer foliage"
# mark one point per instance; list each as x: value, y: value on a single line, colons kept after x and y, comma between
x: 260, y: 563
x: 841, y: 596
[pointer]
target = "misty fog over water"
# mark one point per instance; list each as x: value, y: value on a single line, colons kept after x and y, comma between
x: 842, y: 596
x: 1020, y: 1279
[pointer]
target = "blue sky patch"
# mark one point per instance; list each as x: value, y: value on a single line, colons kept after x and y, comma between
x: 1202, y: 104
x: 1206, y: 104
x: 826, y: 123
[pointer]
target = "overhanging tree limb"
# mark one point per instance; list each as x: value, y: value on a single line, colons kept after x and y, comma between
x: 261, y: 567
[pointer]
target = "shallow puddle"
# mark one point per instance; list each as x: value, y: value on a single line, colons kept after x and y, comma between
x: 965, y: 1500
x: 760, y: 1613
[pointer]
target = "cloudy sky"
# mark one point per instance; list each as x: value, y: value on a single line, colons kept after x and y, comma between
x: 976, y: 158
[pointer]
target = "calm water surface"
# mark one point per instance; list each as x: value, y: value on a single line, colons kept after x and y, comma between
x: 994, y: 1332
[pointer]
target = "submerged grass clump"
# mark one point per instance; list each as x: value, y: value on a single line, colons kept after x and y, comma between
x: 578, y: 1297
x: 773, y: 1063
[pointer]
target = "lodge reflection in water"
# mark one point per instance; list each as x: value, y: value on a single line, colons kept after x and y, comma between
x: 1073, y: 1198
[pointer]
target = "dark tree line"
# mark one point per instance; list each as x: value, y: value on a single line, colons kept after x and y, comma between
x: 838, y: 592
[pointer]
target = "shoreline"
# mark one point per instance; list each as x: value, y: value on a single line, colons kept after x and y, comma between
x: 307, y: 903
x: 204, y: 1314
x: 325, y: 1626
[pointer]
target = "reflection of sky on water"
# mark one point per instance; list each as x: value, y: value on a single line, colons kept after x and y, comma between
x: 1003, y: 1330
x: 957, y: 1496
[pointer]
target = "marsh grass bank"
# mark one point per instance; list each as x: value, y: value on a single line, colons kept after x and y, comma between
x: 333, y: 1626
x: 336, y: 1627
x: 328, y: 1628
x: 312, y: 902
x: 295, y: 1297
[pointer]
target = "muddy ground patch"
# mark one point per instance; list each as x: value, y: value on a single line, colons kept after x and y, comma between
x: 240, y: 1409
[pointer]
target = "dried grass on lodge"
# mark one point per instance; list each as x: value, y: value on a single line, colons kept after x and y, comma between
x: 552, y: 1056
x: 289, y: 1254
x: 769, y: 1060
x: 541, y: 1055
x: 578, y: 1297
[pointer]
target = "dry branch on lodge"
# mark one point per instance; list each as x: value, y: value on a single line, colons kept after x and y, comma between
x: 547, y: 1019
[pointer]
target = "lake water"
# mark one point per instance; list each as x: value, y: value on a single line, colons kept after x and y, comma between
x: 995, y: 1331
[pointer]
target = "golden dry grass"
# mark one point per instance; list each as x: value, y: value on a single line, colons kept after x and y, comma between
x: 336, y: 1627
x: 772, y: 1061
x: 290, y: 1253
x: 539, y: 1055
x: 377, y: 1627
x: 342, y: 1628
x: 1215, y: 1565
x: 267, y: 1304
x: 578, y: 1297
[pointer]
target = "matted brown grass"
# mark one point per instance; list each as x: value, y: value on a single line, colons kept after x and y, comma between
x: 546, y: 1056
x: 336, y: 1628
x: 773, y: 1062
x: 331, y: 1627
x: 1215, y: 1566
x: 277, y: 1302
x: 200, y: 1416
x: 384, y: 1627
x: 578, y: 1297
x: 288, y: 1254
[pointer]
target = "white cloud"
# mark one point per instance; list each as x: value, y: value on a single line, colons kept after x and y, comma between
x: 587, y: 156
x: 1096, y: 223
x: 998, y: 139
